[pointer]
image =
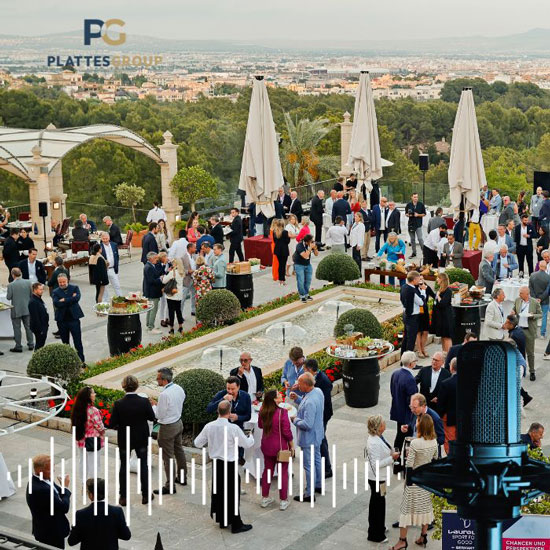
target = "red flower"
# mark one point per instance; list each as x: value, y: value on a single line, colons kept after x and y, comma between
x: 51, y: 403
x: 140, y: 346
x: 67, y: 408
x: 100, y: 403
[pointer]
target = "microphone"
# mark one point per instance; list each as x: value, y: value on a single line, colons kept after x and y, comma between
x: 488, y: 474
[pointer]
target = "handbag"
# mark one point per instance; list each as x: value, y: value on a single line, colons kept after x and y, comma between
x: 90, y: 446
x: 283, y: 455
x: 171, y: 287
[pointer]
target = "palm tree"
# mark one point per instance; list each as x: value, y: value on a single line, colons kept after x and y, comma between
x: 300, y: 161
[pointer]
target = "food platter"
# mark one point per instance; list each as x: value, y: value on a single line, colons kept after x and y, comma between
x: 361, y: 348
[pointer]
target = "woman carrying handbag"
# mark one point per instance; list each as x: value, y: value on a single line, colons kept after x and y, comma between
x: 277, y: 446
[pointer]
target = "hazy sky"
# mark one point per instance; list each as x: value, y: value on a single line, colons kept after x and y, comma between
x: 284, y: 19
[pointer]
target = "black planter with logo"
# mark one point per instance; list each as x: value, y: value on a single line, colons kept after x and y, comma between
x: 123, y: 333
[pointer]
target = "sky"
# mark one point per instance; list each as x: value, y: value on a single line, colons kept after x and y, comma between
x: 245, y: 20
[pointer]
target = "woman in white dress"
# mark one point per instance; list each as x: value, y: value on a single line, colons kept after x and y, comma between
x: 416, y: 506
x: 293, y: 229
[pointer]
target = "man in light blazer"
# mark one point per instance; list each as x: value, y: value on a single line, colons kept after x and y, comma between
x: 189, y: 265
x: 529, y: 312
x: 310, y: 427
x: 486, y: 277
x: 452, y: 251
x: 495, y: 317
x: 19, y: 293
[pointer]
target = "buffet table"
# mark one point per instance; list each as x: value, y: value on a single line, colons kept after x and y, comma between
x: 471, y: 260
x: 258, y: 247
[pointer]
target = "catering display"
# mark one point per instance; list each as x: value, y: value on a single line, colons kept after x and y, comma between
x: 357, y: 346
x: 130, y: 304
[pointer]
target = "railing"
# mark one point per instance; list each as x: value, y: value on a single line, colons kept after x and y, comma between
x: 15, y: 209
x: 307, y: 192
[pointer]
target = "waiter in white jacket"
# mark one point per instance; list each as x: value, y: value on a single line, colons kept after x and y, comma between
x: 357, y: 238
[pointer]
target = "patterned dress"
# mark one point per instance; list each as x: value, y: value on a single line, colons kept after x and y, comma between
x: 94, y: 425
x: 203, y: 279
x: 416, y: 507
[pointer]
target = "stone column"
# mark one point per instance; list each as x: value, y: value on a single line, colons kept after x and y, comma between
x: 168, y: 169
x: 39, y: 191
x: 56, y: 192
x: 345, y: 142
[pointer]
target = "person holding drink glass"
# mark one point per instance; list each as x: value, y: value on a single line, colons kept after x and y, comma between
x: 302, y: 266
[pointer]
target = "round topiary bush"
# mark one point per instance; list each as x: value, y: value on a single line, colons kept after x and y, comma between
x: 362, y: 320
x: 60, y: 361
x: 462, y: 276
x: 200, y: 386
x: 337, y: 269
x: 218, y: 307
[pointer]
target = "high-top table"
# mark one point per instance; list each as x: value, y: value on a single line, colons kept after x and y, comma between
x: 258, y: 247
x: 471, y: 260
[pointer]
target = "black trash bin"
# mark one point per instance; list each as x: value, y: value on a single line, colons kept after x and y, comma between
x: 123, y: 333
x: 467, y: 318
x: 242, y: 285
x: 361, y: 382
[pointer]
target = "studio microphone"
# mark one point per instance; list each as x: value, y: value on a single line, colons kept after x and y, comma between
x: 488, y: 474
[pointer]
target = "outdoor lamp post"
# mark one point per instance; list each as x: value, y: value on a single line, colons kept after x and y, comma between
x: 423, y: 164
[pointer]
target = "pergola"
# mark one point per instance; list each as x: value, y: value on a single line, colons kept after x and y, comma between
x: 36, y: 157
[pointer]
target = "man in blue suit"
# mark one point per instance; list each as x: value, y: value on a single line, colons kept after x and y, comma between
x: 46, y: 528
x: 323, y: 382
x: 241, y: 406
x: 33, y: 269
x: 149, y: 242
x: 68, y: 313
x: 402, y: 387
x: 109, y: 251
x: 152, y: 289
x: 340, y: 207
x: 419, y: 407
x: 504, y: 263
x: 309, y: 423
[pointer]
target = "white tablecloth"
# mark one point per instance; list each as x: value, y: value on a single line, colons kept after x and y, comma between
x: 7, y: 488
x: 489, y: 222
x: 255, y: 452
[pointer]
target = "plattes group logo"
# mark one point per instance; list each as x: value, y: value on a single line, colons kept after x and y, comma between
x: 99, y: 26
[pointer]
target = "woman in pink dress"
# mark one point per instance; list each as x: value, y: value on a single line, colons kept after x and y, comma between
x: 276, y: 436
x: 88, y: 424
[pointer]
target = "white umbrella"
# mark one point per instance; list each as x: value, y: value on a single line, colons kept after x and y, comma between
x: 364, y: 151
x: 261, y: 174
x: 466, y: 170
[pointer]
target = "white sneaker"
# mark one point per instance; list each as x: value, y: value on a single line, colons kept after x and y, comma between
x: 546, y: 357
x: 155, y: 331
x: 266, y: 502
x: 283, y: 505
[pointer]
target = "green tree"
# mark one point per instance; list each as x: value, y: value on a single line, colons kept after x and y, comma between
x: 193, y: 183
x: 129, y: 196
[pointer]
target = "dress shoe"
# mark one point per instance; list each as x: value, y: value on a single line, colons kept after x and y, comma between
x: 145, y: 500
x: 306, y: 498
x: 122, y: 501
x: 16, y: 350
x: 1, y: 353
x: 328, y: 475
x: 242, y: 461
x: 532, y: 376
x: 163, y: 323
x: 318, y: 490
x: 527, y: 399
x: 31, y: 348
x: 413, y: 255
x: 165, y: 491
x: 430, y: 526
x: 395, y: 525
x: 242, y: 529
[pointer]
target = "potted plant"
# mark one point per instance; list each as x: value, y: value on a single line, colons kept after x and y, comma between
x: 129, y: 195
x: 139, y: 230
x: 192, y: 183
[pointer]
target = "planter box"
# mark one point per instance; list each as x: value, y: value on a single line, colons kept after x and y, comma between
x: 137, y: 237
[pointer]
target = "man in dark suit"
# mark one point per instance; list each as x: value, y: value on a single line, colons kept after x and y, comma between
x: 524, y: 234
x: 31, y: 266
x: 216, y: 230
x: 430, y: 379
x: 453, y: 350
x: 402, y: 387
x: 114, y: 230
x: 46, y: 528
x: 412, y: 302
x: 68, y: 313
x: 279, y: 209
x: 149, y: 242
x: 59, y: 268
x: 419, y: 407
x: 447, y: 405
x: 133, y: 411
x: 295, y: 206
x: 236, y: 236
x: 316, y: 216
x: 534, y: 436
x: 152, y: 289
x: 39, y: 318
x: 109, y: 251
x: 322, y: 382
x: 394, y: 218
x: 284, y: 200
x: 250, y: 377
x: 381, y: 213
x: 340, y: 207
x: 80, y: 233
x: 10, y: 252
x: 93, y: 527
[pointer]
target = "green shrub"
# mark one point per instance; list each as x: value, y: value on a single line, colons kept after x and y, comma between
x: 135, y: 227
x: 337, y: 269
x: 456, y: 274
x: 60, y: 361
x: 362, y: 320
x: 218, y: 307
x: 200, y: 386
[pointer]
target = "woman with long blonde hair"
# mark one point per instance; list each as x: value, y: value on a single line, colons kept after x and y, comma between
x: 281, y: 241
x: 174, y: 294
x: 293, y: 229
x: 442, y: 313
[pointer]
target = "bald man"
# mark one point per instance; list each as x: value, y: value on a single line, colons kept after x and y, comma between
x: 430, y: 379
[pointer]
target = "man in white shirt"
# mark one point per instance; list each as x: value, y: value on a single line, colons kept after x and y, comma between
x: 504, y: 239
x: 108, y: 252
x: 431, y: 244
x: 179, y: 246
x: 168, y: 411
x: 330, y: 202
x: 156, y: 213
x: 430, y: 379
x: 220, y: 436
x: 494, y: 316
x: 336, y: 236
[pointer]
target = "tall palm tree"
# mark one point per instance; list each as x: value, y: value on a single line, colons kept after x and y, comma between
x: 300, y: 161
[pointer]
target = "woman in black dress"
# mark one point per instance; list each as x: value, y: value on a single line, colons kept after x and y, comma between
x: 281, y: 240
x: 98, y: 272
x: 424, y: 319
x: 442, y: 313
x: 543, y: 243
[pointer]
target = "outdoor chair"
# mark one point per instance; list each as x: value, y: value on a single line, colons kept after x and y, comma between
x: 128, y: 244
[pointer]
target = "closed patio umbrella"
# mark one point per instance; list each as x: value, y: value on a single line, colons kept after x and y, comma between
x: 364, y: 151
x: 466, y: 170
x: 261, y: 174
